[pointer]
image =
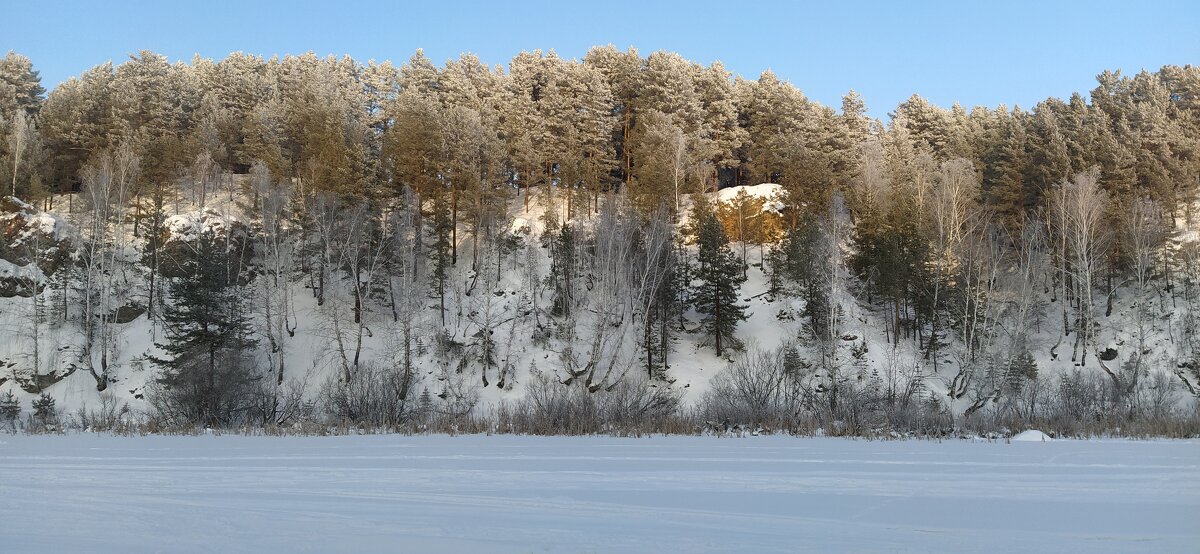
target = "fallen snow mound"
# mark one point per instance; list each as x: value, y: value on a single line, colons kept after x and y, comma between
x: 1032, y: 435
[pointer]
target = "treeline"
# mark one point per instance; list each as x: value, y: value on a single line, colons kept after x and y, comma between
x: 651, y: 125
x: 966, y: 231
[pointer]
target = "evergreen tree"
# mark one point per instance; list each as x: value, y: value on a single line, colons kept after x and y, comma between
x: 207, y: 373
x: 10, y: 409
x: 720, y: 274
x: 891, y: 256
x: 78, y: 122
x: 440, y: 256
x: 663, y: 307
x: 721, y: 129
x: 1004, y: 165
x: 43, y: 409
x: 1047, y: 153
x: 624, y: 73
x: 803, y: 259
x: 20, y: 86
x: 1020, y: 369
x: 563, y: 253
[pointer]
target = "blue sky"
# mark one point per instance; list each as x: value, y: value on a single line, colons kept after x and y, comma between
x: 971, y: 52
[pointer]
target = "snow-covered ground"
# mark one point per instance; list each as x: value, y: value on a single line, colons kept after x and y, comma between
x: 532, y: 494
x: 311, y: 356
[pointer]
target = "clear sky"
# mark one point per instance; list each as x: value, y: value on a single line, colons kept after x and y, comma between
x: 972, y: 52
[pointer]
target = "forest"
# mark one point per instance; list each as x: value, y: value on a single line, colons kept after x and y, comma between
x: 622, y: 243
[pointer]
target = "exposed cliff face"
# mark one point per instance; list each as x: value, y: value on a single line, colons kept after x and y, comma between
x: 182, y: 231
x: 33, y: 246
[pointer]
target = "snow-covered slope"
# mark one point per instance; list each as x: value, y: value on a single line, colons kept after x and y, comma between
x: 309, y: 358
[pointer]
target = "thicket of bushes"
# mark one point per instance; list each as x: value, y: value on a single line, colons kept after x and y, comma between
x: 758, y: 393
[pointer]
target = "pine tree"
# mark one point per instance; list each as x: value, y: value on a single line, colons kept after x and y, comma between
x: 10, y: 409
x: 206, y: 372
x: 43, y: 409
x: 77, y: 122
x: 1020, y: 369
x: 624, y: 73
x: 720, y: 274
x: 793, y: 363
x: 440, y: 256
x: 1004, y: 165
x: 721, y: 130
x: 20, y: 86
x: 804, y: 259
x: 563, y: 254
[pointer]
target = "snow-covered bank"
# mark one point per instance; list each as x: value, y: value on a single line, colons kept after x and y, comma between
x: 519, y: 494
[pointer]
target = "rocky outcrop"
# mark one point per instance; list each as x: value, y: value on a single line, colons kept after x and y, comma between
x: 34, y: 245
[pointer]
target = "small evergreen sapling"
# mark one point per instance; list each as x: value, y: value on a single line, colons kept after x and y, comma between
x: 43, y: 408
x: 10, y: 409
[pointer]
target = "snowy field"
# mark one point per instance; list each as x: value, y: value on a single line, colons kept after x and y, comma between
x: 531, y: 494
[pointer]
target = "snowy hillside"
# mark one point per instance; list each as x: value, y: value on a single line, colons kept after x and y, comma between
x: 515, y: 309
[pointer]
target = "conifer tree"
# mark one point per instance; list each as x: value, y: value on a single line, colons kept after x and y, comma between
x: 720, y: 274
x: 624, y: 73
x: 440, y: 256
x: 43, y: 409
x: 20, y: 86
x: 563, y: 253
x: 206, y: 371
x: 1004, y: 165
x: 10, y: 409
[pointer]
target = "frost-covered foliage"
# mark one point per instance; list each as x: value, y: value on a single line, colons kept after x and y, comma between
x: 580, y: 246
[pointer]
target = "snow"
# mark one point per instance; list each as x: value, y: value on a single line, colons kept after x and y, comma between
x: 28, y: 271
x: 1032, y: 435
x: 771, y: 321
x: 36, y: 221
x: 770, y: 193
x: 188, y: 226
x: 766, y: 191
x: 48, y: 224
x: 99, y: 493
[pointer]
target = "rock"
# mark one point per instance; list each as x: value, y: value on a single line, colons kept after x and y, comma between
x: 34, y: 245
x: 37, y: 383
x: 128, y: 313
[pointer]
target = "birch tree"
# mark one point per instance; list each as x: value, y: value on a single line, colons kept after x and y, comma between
x: 107, y: 183
x: 1080, y: 207
x: 276, y: 248
x: 18, y: 139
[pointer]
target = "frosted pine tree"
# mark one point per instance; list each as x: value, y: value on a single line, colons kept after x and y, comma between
x: 720, y: 274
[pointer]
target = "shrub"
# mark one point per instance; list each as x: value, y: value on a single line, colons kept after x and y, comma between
x: 10, y: 409
x: 43, y: 409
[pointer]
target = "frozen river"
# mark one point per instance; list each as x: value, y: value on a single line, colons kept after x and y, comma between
x: 583, y: 494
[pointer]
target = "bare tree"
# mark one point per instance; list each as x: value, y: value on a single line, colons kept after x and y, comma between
x: 952, y: 202
x: 487, y: 306
x: 203, y: 171
x: 406, y: 278
x: 1080, y: 208
x: 830, y: 279
x: 276, y: 246
x: 107, y: 183
x: 354, y: 242
x: 1145, y: 233
x: 624, y: 262
x: 18, y: 139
